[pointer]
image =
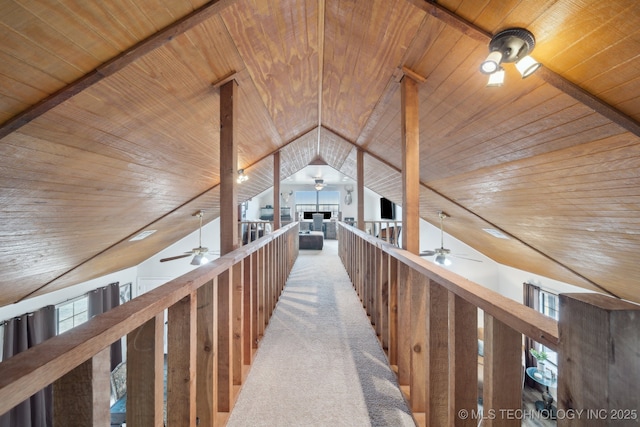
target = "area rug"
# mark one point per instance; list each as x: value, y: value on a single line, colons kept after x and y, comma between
x: 319, y: 362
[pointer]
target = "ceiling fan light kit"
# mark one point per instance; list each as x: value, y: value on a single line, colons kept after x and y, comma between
x: 512, y: 45
x: 199, y: 252
x: 442, y: 253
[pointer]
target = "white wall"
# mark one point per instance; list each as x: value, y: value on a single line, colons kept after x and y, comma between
x: 32, y: 304
x: 152, y: 273
x: 511, y: 279
x: 484, y: 271
x: 488, y: 273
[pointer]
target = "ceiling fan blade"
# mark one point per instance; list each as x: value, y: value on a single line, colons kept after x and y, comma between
x: 427, y: 253
x: 468, y: 259
x: 176, y: 257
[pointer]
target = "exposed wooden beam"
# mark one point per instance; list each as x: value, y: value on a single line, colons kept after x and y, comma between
x: 231, y: 76
x: 410, y: 165
x: 415, y: 76
x: 276, y: 190
x: 321, y: 18
x: 115, y: 64
x: 554, y: 79
x: 228, y: 167
x: 360, y: 185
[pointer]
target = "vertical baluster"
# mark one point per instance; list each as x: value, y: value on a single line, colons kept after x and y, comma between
x: 438, y: 343
x: 206, y: 380
x: 145, y: 372
x: 463, y: 356
x: 81, y: 397
x: 404, y: 325
x: 249, y: 335
x: 225, y: 348
x: 393, y: 311
x: 503, y: 373
x: 181, y: 362
x: 236, y: 319
x: 418, y: 289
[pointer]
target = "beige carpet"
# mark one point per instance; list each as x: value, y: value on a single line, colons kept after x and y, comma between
x: 320, y: 363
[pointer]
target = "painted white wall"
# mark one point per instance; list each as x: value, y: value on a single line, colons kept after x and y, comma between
x: 483, y: 271
x: 510, y: 282
x: 153, y: 273
x: 32, y: 304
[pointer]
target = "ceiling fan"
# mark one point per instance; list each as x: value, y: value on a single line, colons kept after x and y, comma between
x: 319, y: 184
x: 199, y: 252
x: 442, y: 253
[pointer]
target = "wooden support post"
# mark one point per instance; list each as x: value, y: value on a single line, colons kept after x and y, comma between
x: 81, y: 397
x: 237, y: 318
x: 503, y: 373
x: 410, y: 166
x: 145, y: 374
x: 181, y: 362
x: 360, y: 185
x: 225, y: 345
x: 438, y: 359
x: 228, y: 168
x: 206, y: 380
x: 463, y: 359
x: 598, y: 366
x: 276, y: 191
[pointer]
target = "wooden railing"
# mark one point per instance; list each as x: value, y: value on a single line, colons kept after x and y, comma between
x: 426, y: 318
x: 216, y: 317
x: 387, y: 230
x: 248, y: 231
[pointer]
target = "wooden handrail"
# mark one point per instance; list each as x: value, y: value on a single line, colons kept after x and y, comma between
x: 29, y: 371
x: 426, y: 318
x: 523, y: 319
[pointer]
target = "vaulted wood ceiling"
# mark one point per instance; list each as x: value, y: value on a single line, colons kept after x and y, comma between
x: 110, y: 125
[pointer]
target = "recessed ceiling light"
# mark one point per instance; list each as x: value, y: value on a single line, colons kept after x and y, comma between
x: 142, y: 235
x: 496, y: 233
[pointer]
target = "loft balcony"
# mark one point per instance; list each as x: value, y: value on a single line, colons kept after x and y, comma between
x: 425, y: 319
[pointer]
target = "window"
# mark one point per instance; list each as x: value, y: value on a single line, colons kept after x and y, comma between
x: 72, y: 313
x: 548, y: 304
x: 318, y: 201
x: 125, y: 293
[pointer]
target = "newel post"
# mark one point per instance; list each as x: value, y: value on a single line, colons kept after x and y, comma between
x: 598, y: 361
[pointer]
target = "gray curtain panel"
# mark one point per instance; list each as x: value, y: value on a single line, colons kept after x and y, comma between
x: 102, y: 300
x: 20, y: 334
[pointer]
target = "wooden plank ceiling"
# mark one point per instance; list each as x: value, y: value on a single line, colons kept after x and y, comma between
x: 110, y: 125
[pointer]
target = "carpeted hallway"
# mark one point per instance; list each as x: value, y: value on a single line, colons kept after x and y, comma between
x: 320, y: 363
